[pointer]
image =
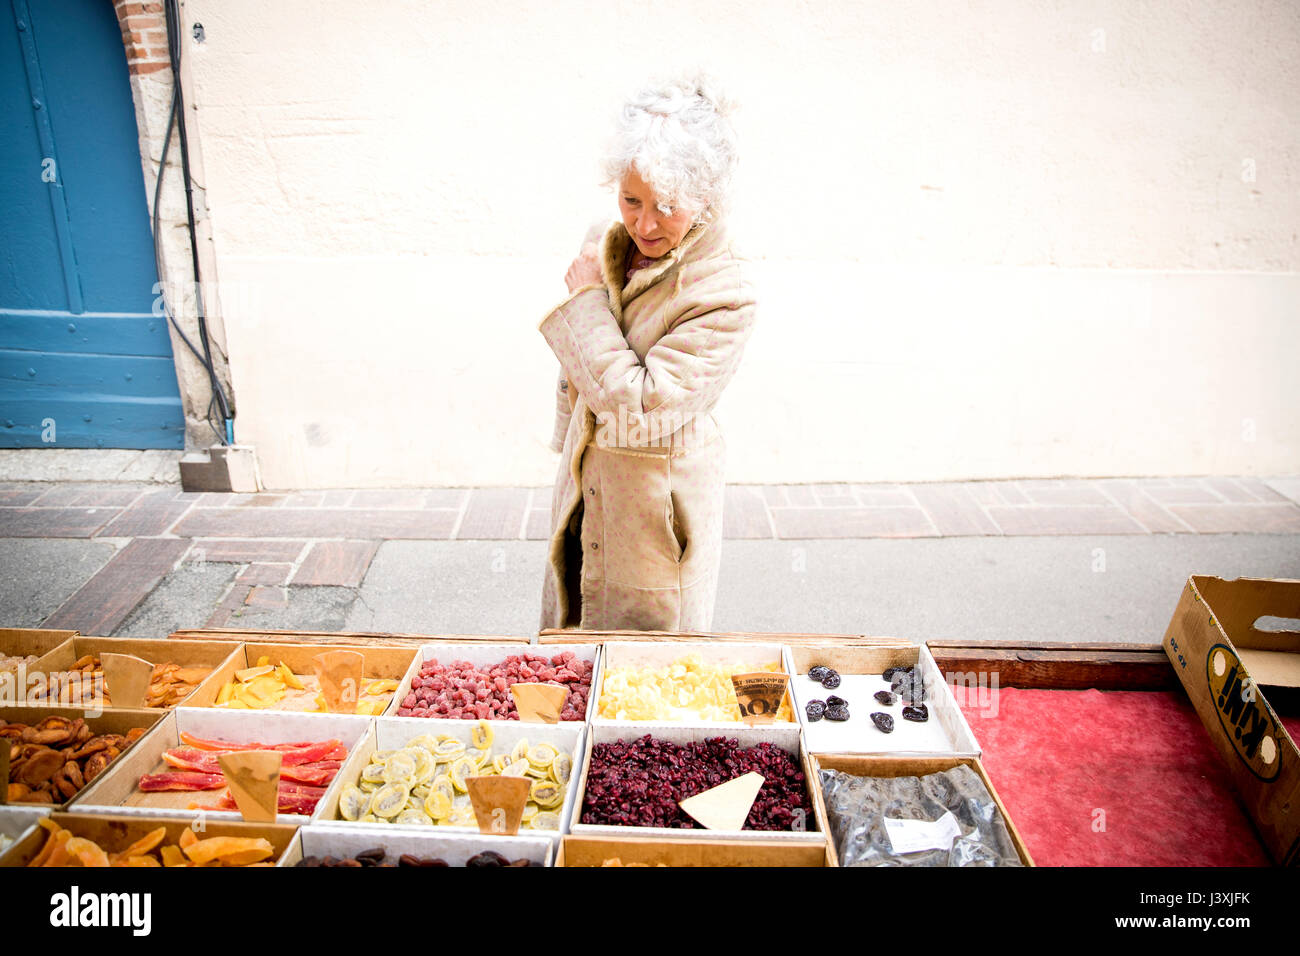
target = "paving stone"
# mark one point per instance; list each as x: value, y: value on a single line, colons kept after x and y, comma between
x: 338, y: 563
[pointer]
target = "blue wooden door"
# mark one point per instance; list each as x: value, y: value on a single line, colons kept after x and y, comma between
x: 84, y: 361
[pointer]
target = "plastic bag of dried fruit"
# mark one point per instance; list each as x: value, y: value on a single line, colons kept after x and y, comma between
x: 940, y: 819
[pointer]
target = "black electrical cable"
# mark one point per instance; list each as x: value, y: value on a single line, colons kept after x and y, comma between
x: 177, y: 106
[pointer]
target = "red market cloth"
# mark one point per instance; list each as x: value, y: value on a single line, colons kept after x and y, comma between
x: 1112, y: 778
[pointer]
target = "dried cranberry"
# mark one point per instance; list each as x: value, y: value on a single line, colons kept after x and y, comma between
x: 884, y: 723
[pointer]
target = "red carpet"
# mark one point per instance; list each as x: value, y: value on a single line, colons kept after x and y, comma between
x: 1114, y: 778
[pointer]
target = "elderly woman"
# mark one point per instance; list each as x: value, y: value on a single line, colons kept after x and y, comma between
x: 652, y: 330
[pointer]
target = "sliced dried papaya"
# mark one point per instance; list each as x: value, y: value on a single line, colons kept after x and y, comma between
x: 213, y: 849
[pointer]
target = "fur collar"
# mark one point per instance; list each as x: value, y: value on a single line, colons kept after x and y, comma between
x: 614, y: 248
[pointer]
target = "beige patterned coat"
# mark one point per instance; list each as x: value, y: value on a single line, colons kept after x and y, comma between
x: 636, y: 512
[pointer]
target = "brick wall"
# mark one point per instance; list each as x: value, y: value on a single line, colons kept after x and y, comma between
x: 144, y: 34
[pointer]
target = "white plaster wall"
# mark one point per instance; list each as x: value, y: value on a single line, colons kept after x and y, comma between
x: 993, y: 239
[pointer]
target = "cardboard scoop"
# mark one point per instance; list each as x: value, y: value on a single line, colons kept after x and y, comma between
x: 726, y: 806
x: 759, y: 695
x: 254, y: 779
x: 126, y: 679
x: 539, y: 703
x: 339, y: 673
x: 498, y: 802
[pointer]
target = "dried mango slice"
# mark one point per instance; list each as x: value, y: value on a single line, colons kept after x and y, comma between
x: 290, y: 678
x: 146, y: 843
x: 172, y: 856
x: 226, y: 849
x: 370, y: 708
x: 187, y: 840
x: 482, y: 735
x: 389, y: 801
x: 353, y: 803
x: 249, y: 673
x: 377, y: 687
x: 227, y: 691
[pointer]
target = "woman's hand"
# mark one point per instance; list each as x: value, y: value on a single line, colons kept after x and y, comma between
x: 585, y: 269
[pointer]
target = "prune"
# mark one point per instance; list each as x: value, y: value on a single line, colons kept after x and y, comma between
x: 833, y: 701
x: 837, y: 712
x: 487, y: 858
x: 815, y: 709
x: 919, y: 713
x: 885, y: 697
x: 884, y: 723
x: 831, y: 680
x: 818, y: 673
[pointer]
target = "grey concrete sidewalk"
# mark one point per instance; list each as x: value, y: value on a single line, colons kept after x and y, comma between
x: 142, y: 560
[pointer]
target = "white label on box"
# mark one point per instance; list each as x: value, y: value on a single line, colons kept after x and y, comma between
x: 912, y: 836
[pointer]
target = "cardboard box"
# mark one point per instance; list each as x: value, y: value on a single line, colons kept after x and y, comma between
x: 26, y: 641
x: 1223, y: 659
x: 486, y: 655
x: 786, y: 736
x: 115, y: 833
x: 108, y: 722
x: 392, y: 733
x: 16, y: 819
x: 117, y: 789
x: 381, y: 662
x: 455, y: 848
x: 211, y: 654
x: 872, y: 766
x: 594, y: 851
x: 946, y: 732
x: 338, y: 637
x: 753, y: 656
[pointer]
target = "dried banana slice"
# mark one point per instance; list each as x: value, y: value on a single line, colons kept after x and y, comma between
x: 353, y: 803
x: 561, y: 768
x: 481, y: 736
x: 389, y: 801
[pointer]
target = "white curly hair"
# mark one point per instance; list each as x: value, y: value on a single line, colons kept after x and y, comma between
x: 676, y: 133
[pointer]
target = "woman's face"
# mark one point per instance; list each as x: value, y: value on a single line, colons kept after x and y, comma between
x: 654, y: 233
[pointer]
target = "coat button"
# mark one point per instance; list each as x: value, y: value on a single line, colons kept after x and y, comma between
x: 591, y: 491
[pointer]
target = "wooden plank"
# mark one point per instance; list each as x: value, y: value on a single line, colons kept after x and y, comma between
x: 1062, y: 669
x: 337, y: 637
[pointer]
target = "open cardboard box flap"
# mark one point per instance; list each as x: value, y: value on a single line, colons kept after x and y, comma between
x: 1223, y: 658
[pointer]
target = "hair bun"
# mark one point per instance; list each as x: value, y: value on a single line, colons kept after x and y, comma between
x: 702, y: 84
